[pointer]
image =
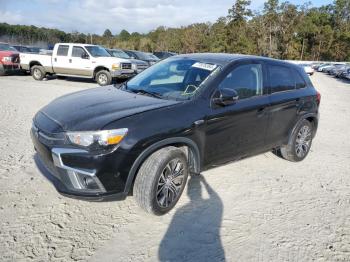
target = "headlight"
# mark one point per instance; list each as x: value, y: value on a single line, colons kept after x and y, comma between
x: 115, y: 66
x: 102, y: 138
x: 6, y: 59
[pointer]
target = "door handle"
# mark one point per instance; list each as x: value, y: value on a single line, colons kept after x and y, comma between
x: 55, y: 59
x: 70, y: 60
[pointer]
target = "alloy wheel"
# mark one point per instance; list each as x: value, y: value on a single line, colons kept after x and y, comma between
x: 102, y: 79
x: 37, y: 73
x: 303, y: 141
x: 170, y: 183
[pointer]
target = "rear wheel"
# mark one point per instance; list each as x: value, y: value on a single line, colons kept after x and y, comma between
x: 300, y: 143
x: 161, y: 180
x: 38, y: 72
x: 103, y: 78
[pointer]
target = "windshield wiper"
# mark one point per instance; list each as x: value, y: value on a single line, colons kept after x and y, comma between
x: 144, y: 92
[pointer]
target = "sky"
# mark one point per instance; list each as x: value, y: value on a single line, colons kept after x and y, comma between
x: 94, y: 16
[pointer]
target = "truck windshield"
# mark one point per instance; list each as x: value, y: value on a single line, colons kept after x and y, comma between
x: 119, y: 53
x: 6, y: 47
x: 177, y: 79
x: 97, y: 51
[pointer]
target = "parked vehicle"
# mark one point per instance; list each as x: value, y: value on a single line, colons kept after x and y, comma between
x: 9, y: 59
x: 81, y: 60
x: 183, y: 115
x: 345, y: 74
x: 163, y: 54
x: 337, y: 70
x: 21, y: 48
x: 308, y: 69
x: 147, y: 57
x: 138, y: 65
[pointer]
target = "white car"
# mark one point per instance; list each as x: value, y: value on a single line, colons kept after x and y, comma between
x: 80, y: 60
x: 308, y: 69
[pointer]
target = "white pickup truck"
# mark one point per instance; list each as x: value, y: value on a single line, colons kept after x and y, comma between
x: 79, y: 60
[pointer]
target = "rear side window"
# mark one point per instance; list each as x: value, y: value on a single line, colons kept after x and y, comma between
x: 246, y: 80
x: 62, y: 50
x: 281, y: 78
x: 299, y: 81
x: 78, y: 51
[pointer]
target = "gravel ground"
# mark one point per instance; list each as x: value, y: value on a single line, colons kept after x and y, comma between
x: 259, y: 209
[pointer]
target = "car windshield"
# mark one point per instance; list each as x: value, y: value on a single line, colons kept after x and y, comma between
x: 97, y: 51
x: 141, y: 55
x: 175, y: 79
x: 119, y: 53
x: 6, y: 47
x: 152, y: 56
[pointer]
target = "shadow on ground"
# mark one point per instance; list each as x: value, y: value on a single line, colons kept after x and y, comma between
x: 194, y: 232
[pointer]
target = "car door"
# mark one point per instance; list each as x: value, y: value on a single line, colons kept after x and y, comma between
x: 60, y: 60
x: 284, y: 101
x: 79, y: 62
x: 238, y: 130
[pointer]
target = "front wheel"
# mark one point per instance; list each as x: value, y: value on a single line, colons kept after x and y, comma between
x: 161, y: 180
x: 103, y: 78
x: 2, y: 70
x: 300, y: 143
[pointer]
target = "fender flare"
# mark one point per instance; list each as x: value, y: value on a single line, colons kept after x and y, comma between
x: 314, y: 116
x: 158, y: 145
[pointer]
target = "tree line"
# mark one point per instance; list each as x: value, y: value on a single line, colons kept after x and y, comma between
x: 280, y: 30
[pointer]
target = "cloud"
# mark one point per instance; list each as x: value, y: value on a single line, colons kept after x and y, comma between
x: 94, y: 16
x: 97, y: 15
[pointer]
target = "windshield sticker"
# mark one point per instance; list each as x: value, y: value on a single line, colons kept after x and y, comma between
x: 209, y: 67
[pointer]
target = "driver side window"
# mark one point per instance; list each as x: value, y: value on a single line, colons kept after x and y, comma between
x: 246, y: 80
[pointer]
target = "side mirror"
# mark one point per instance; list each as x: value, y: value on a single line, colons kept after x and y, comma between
x: 225, y: 97
x: 85, y: 56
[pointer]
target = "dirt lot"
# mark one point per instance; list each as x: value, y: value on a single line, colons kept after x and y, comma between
x: 259, y: 209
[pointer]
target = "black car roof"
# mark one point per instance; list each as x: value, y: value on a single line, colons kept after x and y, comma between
x: 223, y: 59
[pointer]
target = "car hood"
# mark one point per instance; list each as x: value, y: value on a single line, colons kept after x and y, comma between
x: 8, y: 53
x: 138, y: 62
x: 110, y: 60
x: 93, y: 109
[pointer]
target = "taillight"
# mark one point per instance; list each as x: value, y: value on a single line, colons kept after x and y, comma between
x: 318, y: 98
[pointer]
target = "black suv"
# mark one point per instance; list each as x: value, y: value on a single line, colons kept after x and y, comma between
x: 181, y: 116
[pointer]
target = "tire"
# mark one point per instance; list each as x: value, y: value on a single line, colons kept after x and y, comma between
x: 153, y: 183
x: 38, y: 72
x: 299, y: 144
x: 103, y: 78
x: 2, y: 70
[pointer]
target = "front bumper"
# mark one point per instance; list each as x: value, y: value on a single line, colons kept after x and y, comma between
x: 75, y: 172
x: 10, y: 67
x: 123, y: 73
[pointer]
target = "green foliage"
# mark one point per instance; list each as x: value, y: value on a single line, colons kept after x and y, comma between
x: 281, y: 30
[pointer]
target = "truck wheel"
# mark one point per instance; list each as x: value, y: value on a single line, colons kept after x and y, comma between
x: 161, y: 180
x: 300, y: 143
x: 2, y: 70
x: 103, y: 78
x: 38, y: 72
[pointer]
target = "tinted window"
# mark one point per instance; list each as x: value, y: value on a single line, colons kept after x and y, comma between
x: 281, y: 79
x: 78, y: 51
x: 62, y: 50
x: 247, y: 80
x: 299, y: 81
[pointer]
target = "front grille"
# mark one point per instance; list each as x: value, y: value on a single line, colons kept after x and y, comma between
x: 142, y: 67
x: 48, y: 139
x: 126, y: 65
x: 15, y: 58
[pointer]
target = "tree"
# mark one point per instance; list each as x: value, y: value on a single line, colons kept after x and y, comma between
x: 124, y: 35
x: 107, y: 33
